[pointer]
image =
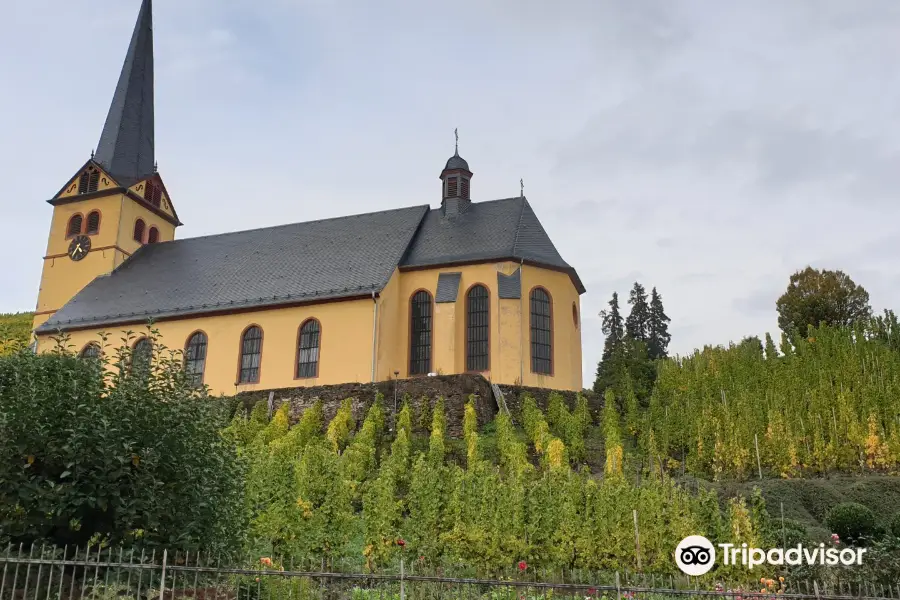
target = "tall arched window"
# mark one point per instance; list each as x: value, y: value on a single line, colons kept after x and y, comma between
x: 139, y: 231
x: 153, y: 235
x: 478, y: 315
x: 141, y: 357
x: 90, y: 351
x: 74, y: 227
x: 195, y: 358
x: 308, y: 349
x: 251, y: 355
x: 420, y: 333
x: 541, y: 332
x: 93, y: 222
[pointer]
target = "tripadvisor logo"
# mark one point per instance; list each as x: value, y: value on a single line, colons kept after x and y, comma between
x: 695, y: 555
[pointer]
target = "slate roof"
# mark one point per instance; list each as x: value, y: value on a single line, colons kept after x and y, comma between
x: 494, y: 230
x: 447, y: 287
x: 510, y: 286
x: 317, y: 260
x: 126, y: 146
x: 314, y: 261
x: 456, y: 162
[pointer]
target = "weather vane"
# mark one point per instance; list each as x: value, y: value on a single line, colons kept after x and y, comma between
x: 522, y: 188
x: 456, y: 135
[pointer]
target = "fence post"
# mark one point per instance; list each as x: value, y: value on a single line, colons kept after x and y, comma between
x: 758, y: 463
x: 402, y: 587
x: 637, y: 542
x: 618, y: 587
x: 162, y: 578
x: 816, y: 587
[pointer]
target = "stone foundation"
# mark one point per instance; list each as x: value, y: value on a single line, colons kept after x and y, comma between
x: 454, y: 389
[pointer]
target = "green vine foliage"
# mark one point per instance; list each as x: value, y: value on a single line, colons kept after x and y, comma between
x: 827, y: 403
x: 424, y: 505
x: 94, y: 449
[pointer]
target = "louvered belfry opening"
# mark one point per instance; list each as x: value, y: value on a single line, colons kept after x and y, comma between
x: 452, y: 187
x: 89, y: 181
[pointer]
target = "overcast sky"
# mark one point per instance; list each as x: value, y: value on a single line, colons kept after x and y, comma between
x: 706, y: 148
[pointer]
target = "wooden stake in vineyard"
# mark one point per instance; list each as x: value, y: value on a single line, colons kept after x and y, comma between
x: 758, y: 463
x: 637, y: 541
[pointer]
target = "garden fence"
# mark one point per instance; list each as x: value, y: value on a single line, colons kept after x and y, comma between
x: 49, y: 573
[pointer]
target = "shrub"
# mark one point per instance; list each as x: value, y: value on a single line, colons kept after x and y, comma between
x: 854, y: 523
x: 87, y: 449
x: 895, y: 525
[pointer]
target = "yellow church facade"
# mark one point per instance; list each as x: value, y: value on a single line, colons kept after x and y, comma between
x: 468, y: 287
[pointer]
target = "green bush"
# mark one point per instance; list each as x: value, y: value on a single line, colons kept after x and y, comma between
x: 895, y: 525
x: 854, y: 523
x: 90, y: 453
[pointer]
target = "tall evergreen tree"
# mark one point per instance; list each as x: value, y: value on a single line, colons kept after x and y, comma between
x: 658, y: 334
x: 614, y: 330
x: 637, y: 325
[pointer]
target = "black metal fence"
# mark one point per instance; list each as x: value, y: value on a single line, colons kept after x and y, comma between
x: 49, y: 573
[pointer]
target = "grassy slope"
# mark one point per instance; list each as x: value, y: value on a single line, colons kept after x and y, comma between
x: 808, y: 500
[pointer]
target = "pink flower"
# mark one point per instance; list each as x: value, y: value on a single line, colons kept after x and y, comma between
x: 522, y: 565
x: 835, y: 538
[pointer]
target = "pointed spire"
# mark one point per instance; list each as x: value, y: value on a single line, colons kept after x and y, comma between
x: 126, y: 145
x: 456, y: 146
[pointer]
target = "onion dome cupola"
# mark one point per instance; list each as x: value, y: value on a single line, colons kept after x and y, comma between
x: 455, y: 183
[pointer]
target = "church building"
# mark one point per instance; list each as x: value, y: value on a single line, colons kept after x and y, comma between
x: 463, y: 287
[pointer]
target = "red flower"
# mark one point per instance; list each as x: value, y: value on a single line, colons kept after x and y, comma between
x: 592, y: 591
x: 401, y: 542
x: 522, y: 565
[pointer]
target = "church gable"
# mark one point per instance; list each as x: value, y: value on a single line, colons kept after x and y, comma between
x: 89, y: 179
x: 153, y: 191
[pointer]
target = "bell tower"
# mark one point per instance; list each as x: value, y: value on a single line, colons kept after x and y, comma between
x: 116, y: 202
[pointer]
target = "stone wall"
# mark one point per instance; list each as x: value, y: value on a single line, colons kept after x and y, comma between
x: 515, y: 395
x: 455, y: 389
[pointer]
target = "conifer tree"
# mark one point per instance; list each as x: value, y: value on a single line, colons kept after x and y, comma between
x: 613, y: 345
x: 658, y: 334
x: 637, y: 325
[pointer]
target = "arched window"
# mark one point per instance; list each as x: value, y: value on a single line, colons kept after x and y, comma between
x: 420, y: 333
x: 195, y: 358
x: 90, y: 351
x: 153, y: 235
x: 541, y: 332
x: 139, y: 231
x: 74, y: 227
x: 88, y: 181
x: 478, y: 315
x: 308, y: 349
x: 251, y: 355
x: 93, y: 222
x: 141, y: 357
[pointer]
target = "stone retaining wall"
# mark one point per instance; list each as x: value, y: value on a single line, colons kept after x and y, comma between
x: 455, y: 389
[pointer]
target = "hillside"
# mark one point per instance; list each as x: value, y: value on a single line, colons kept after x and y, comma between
x: 15, y: 331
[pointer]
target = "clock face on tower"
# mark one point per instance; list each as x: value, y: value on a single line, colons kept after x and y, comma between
x: 79, y: 247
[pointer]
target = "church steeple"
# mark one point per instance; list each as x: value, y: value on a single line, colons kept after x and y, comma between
x: 126, y: 147
x: 455, y: 181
